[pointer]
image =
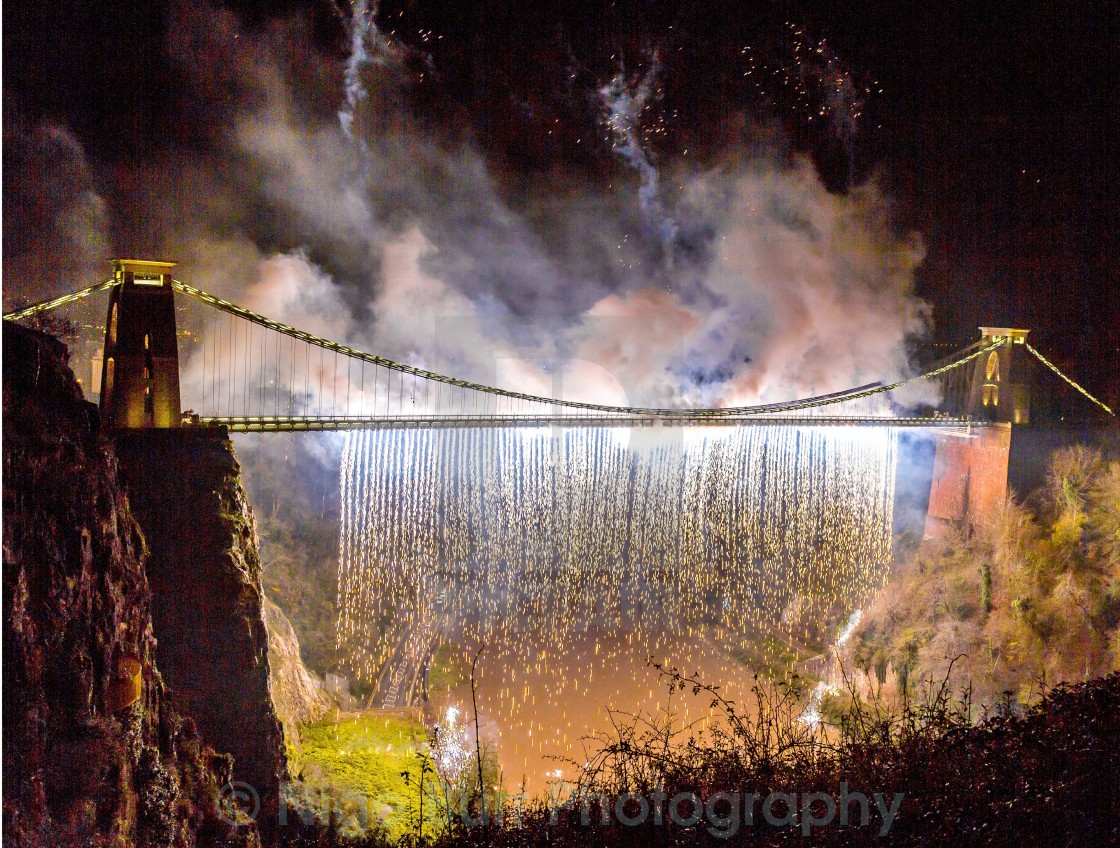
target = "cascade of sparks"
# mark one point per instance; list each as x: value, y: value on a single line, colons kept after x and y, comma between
x: 537, y: 541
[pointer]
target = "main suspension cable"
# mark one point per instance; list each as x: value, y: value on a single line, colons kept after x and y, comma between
x: 1057, y: 371
x: 17, y: 314
x: 326, y: 344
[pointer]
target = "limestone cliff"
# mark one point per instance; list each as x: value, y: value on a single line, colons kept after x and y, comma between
x: 94, y: 752
x: 184, y: 486
x: 298, y: 694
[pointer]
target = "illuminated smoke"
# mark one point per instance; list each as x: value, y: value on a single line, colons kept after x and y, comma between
x: 363, y: 30
x: 784, y: 290
x: 777, y: 287
x: 624, y: 105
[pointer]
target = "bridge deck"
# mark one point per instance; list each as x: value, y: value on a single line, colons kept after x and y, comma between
x: 298, y: 424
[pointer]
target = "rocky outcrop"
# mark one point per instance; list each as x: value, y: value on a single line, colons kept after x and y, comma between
x: 298, y: 694
x: 184, y: 486
x: 94, y: 752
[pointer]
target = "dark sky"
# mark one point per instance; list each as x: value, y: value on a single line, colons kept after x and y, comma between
x: 995, y: 134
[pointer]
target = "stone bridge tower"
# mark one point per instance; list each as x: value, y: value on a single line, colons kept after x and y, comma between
x: 970, y: 469
x: 140, y: 369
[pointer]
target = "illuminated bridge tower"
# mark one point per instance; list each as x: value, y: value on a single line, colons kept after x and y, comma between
x: 1000, y: 389
x: 970, y: 470
x: 140, y: 371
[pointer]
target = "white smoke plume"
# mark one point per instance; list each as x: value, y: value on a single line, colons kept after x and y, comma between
x: 624, y: 104
x: 327, y: 208
x: 363, y: 27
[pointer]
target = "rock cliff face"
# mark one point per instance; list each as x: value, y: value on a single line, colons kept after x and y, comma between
x: 86, y: 761
x: 298, y: 694
x: 185, y: 489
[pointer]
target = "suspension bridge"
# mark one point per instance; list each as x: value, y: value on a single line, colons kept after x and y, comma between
x: 448, y: 498
x: 250, y: 373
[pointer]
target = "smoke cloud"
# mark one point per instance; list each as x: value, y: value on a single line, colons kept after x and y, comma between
x: 56, y: 222
x: 324, y: 200
x: 624, y: 105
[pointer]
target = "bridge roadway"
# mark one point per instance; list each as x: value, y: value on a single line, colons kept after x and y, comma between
x: 300, y: 424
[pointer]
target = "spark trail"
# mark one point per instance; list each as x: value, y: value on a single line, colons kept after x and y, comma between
x: 623, y: 106
x: 499, y: 533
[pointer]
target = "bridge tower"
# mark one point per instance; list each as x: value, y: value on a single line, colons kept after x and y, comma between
x: 970, y: 470
x: 1000, y: 388
x: 140, y: 369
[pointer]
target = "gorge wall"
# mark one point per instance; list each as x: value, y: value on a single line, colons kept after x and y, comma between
x: 136, y: 674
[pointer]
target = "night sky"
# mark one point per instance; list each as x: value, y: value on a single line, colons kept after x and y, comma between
x: 992, y: 137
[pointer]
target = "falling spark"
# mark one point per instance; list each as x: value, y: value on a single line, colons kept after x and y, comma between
x: 485, y: 535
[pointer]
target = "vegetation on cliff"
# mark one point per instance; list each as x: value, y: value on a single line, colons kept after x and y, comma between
x: 1031, y: 598
x: 296, y: 504
x: 366, y: 769
x: 297, y: 693
x: 1042, y: 778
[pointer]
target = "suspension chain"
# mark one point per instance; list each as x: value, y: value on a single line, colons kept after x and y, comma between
x: 17, y: 314
x: 739, y: 411
x: 1057, y: 371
